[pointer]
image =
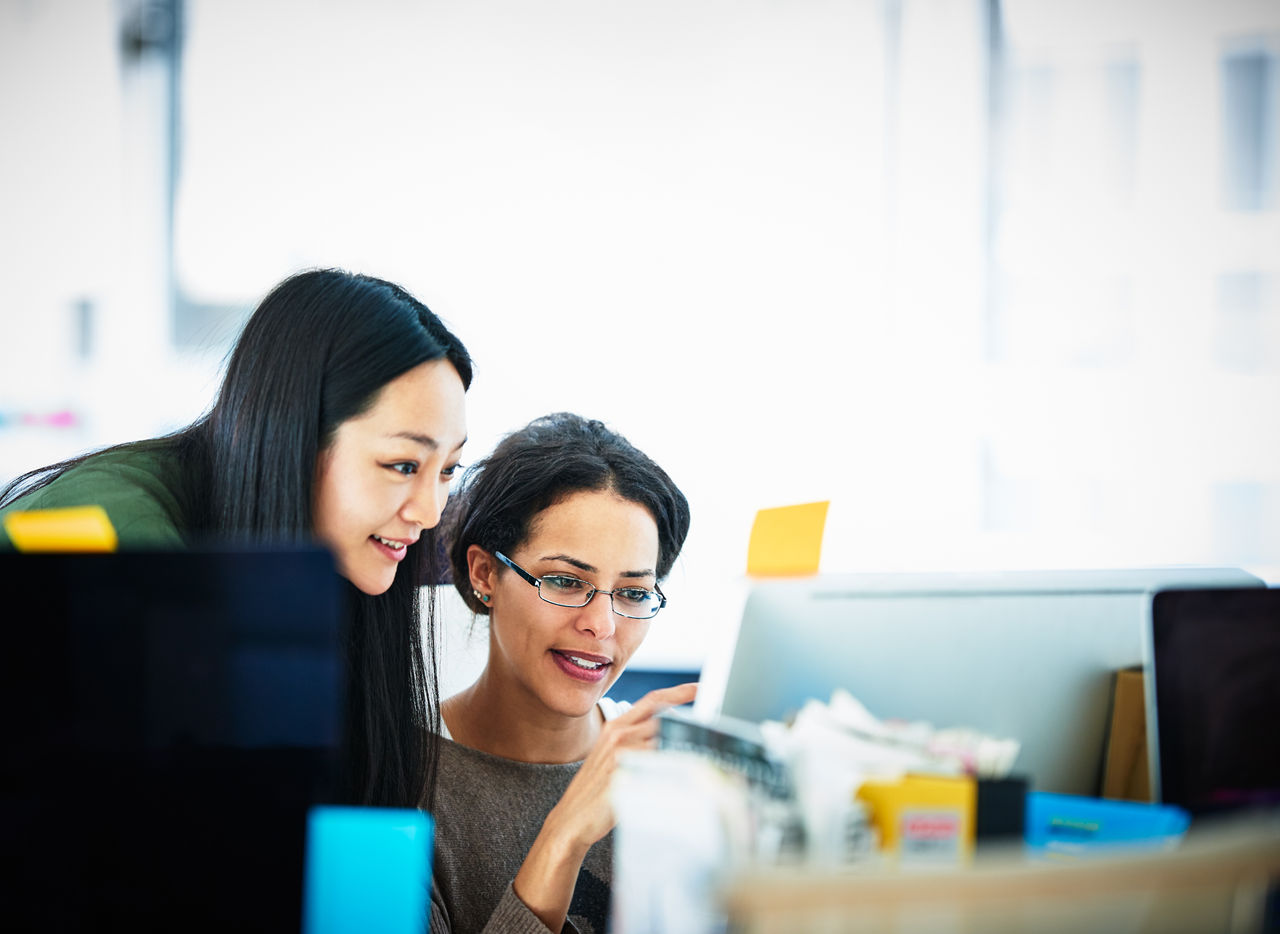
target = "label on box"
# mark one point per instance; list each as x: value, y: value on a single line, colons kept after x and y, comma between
x: 929, y: 834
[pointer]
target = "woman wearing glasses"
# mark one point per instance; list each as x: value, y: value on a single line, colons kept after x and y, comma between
x: 560, y: 537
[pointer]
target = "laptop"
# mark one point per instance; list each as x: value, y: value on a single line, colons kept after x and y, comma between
x: 171, y: 718
x: 1029, y: 655
x: 1213, y: 699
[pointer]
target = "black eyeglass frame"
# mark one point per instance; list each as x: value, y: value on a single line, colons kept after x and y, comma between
x: 537, y: 583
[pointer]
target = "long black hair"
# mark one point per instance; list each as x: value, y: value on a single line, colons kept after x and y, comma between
x: 316, y: 352
x: 539, y: 465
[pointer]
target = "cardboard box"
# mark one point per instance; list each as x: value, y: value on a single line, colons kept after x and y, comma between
x: 1125, y: 772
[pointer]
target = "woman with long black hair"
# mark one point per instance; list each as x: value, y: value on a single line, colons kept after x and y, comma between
x: 340, y: 420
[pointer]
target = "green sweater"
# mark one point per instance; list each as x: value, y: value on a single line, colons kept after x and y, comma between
x: 142, y: 491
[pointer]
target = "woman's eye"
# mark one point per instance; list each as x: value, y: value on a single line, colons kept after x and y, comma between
x: 634, y: 594
x: 561, y: 584
x: 407, y: 468
x: 450, y: 471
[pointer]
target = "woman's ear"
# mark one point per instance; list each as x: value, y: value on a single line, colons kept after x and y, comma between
x: 483, y: 570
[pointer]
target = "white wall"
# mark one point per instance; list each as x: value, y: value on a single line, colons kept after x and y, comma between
x: 756, y: 237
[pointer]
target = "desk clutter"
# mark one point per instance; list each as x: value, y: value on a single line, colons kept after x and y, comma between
x: 837, y: 786
x: 900, y: 787
x: 837, y: 791
x: 1157, y: 687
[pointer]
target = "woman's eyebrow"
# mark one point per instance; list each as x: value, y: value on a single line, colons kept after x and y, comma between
x: 591, y: 568
x: 425, y: 440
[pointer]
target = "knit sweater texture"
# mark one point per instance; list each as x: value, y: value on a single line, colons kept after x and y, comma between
x: 488, y: 811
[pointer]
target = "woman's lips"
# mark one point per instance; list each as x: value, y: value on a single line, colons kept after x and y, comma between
x: 582, y: 666
x: 395, y: 554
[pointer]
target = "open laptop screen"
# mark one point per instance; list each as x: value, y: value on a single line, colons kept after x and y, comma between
x: 170, y: 718
x: 1215, y: 658
x: 1024, y: 654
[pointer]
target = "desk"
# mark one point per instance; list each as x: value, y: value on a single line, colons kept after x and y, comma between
x: 1217, y: 880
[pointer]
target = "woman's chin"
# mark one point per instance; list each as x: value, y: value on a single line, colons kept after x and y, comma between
x: 582, y: 702
x: 375, y: 589
x: 372, y: 584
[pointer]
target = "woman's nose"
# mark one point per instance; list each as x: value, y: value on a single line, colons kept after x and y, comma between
x: 597, y: 617
x: 426, y: 504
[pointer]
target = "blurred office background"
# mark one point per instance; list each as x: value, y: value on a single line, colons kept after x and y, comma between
x: 999, y: 278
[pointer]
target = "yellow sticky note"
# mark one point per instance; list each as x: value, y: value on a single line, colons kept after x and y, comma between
x: 787, y: 541
x: 79, y: 528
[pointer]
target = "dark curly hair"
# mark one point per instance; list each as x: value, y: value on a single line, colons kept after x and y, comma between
x: 541, y: 464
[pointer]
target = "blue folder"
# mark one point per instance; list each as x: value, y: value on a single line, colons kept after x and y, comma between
x: 1078, y: 825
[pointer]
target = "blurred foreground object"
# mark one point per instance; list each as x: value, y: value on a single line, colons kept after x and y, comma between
x: 1215, y: 881
x: 367, y: 869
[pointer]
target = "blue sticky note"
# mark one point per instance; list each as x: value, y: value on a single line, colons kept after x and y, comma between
x: 368, y: 869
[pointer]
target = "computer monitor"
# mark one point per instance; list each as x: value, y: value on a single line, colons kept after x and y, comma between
x: 1213, y: 699
x: 170, y: 719
x: 1028, y: 655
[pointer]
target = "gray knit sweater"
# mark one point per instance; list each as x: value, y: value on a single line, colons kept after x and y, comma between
x: 488, y: 810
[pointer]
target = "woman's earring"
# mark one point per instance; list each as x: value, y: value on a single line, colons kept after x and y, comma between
x: 480, y: 596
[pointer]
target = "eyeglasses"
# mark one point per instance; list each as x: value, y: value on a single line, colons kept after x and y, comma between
x: 564, y: 590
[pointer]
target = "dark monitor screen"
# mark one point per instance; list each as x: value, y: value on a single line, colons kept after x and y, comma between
x: 1215, y: 658
x: 170, y: 718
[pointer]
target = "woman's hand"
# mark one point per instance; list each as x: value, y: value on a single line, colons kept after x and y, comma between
x: 584, y: 813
